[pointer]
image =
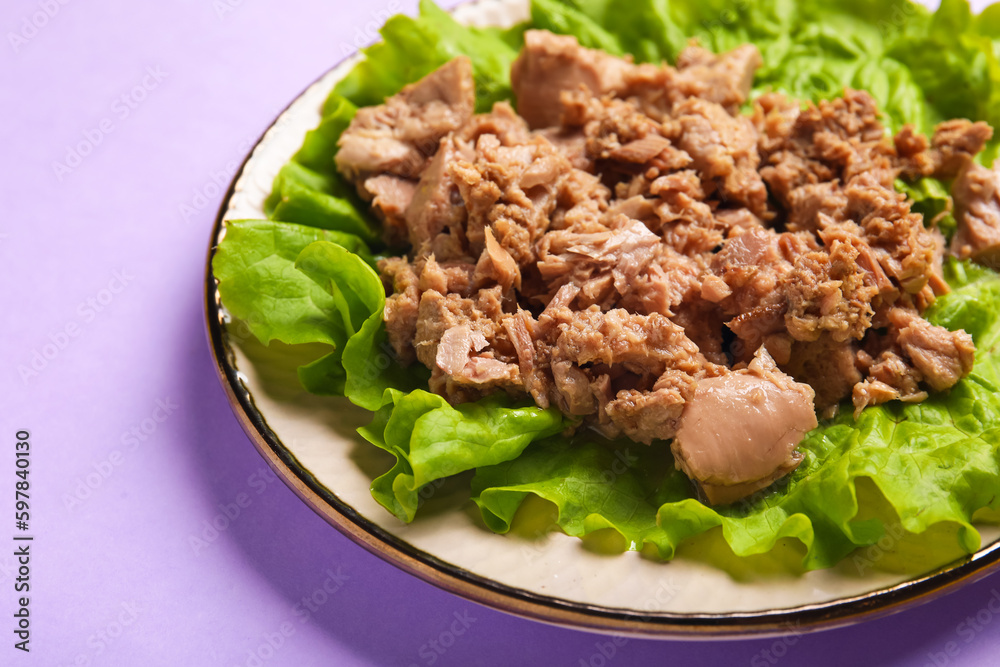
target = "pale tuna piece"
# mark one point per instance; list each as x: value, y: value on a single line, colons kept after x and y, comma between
x: 456, y: 346
x: 943, y: 357
x: 977, y: 208
x: 435, y: 203
x: 725, y: 78
x: 550, y: 64
x: 400, y: 136
x: 739, y: 432
x: 497, y: 266
x: 456, y: 358
x: 391, y: 196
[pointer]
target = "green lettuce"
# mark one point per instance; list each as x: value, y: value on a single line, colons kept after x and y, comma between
x: 259, y: 284
x: 915, y: 467
x: 299, y: 285
x: 432, y: 440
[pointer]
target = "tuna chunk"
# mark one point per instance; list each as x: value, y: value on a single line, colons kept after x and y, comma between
x: 623, y: 252
x: 438, y: 314
x: 943, y: 357
x: 645, y: 345
x: 724, y: 150
x: 400, y: 136
x: 512, y: 189
x: 550, y: 64
x: 836, y: 139
x: 391, y: 196
x: 829, y: 291
x: 830, y: 368
x: 435, y: 204
x: 977, y: 207
x: 954, y: 145
x: 739, y: 432
x: 518, y: 327
x: 621, y: 136
x: 457, y: 344
x: 647, y: 416
x: 496, y: 266
x: 724, y: 79
x: 457, y: 357
x: 401, y: 306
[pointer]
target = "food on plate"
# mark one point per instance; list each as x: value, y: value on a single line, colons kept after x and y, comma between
x: 547, y: 258
x: 633, y: 249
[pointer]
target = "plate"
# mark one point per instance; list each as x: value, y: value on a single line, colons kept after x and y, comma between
x: 534, y: 572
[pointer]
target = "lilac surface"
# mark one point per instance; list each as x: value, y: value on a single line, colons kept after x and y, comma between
x: 117, y: 497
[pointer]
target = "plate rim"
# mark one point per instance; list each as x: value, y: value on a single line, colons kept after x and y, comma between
x: 517, y: 601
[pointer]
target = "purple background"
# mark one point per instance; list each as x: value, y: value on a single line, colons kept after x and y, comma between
x: 103, y: 262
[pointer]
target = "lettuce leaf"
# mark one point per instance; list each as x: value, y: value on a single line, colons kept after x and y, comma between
x: 432, y: 440
x: 259, y: 284
x: 298, y: 285
x: 932, y: 464
x: 361, y: 368
x: 414, y: 47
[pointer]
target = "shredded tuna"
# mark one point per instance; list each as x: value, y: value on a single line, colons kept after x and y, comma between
x: 632, y: 249
x: 977, y: 208
x: 401, y: 135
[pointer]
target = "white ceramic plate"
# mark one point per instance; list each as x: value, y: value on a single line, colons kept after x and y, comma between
x: 311, y: 443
